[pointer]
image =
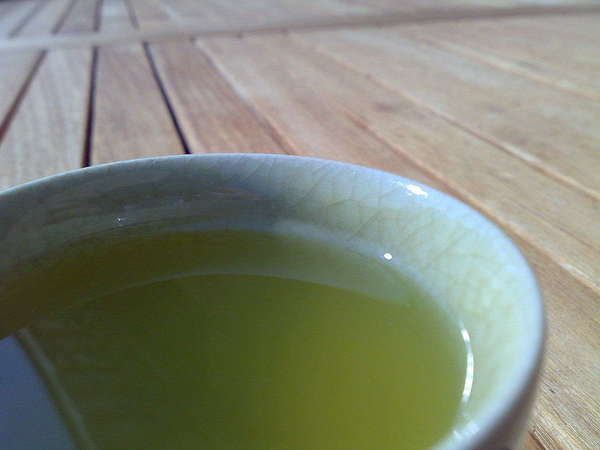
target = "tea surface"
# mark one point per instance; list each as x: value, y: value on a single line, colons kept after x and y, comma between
x: 175, y: 347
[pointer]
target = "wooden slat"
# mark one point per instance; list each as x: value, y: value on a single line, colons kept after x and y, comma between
x: 531, y: 443
x: 211, y: 115
x: 32, y: 19
x: 287, y: 93
x: 302, y: 130
x: 560, y: 30
x: 150, y: 13
x: 47, y: 19
x: 46, y: 135
x: 567, y: 410
x: 228, y: 14
x: 182, y: 9
x: 580, y: 26
x: 16, y: 67
x: 323, y: 110
x: 232, y: 15
x: 13, y: 14
x: 558, y: 61
x: 556, y: 40
x: 517, y: 114
x: 115, y: 17
x: 14, y: 70
x: 81, y: 17
x: 130, y: 117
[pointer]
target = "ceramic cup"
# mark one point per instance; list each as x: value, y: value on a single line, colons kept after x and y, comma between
x: 463, y: 260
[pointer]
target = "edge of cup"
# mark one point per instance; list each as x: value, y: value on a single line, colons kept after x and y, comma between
x: 518, y: 393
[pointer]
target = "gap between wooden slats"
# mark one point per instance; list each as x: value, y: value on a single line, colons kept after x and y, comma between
x: 17, y: 69
x: 128, y: 118
x: 46, y: 134
x: 212, y: 116
x: 47, y: 19
x: 150, y: 13
x: 82, y: 17
x: 15, y: 15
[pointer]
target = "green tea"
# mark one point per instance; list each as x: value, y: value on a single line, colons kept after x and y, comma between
x: 232, y: 340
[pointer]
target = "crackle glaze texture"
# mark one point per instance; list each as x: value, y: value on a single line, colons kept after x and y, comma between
x: 462, y: 260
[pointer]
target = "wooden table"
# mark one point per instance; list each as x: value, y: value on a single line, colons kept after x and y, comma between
x: 495, y: 102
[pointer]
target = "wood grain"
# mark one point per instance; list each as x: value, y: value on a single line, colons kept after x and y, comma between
x: 47, y: 19
x: 15, y: 68
x: 582, y: 27
x: 115, y: 17
x: 234, y: 13
x: 562, y: 62
x: 213, y: 118
x: 130, y: 117
x: 283, y: 91
x: 81, y: 17
x: 13, y: 14
x: 531, y: 443
x: 487, y: 102
x: 150, y: 13
x: 567, y: 410
x: 206, y: 13
x: 46, y: 135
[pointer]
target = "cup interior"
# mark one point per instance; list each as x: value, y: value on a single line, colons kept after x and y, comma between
x: 457, y: 256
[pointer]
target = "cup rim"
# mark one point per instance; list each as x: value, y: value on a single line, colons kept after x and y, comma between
x: 523, y: 380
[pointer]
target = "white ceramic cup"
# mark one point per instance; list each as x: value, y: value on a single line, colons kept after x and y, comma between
x: 463, y: 260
